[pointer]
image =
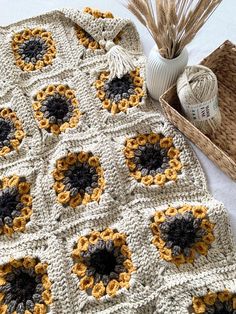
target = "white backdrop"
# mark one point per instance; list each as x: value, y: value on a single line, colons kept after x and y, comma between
x: 220, y: 27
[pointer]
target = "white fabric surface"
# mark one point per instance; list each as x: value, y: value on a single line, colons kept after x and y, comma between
x: 221, y: 26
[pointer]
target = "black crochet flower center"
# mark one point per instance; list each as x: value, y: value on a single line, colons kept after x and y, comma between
x: 81, y: 178
x: 5, y: 129
x: 181, y: 231
x: 151, y: 158
x: 23, y: 286
x: 57, y: 109
x: 9, y: 204
x: 103, y: 261
x: 119, y: 88
x: 221, y: 308
x: 33, y: 50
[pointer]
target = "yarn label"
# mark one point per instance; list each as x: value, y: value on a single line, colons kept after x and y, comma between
x: 201, y: 111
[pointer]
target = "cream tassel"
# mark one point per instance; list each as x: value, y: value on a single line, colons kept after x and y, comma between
x: 119, y: 61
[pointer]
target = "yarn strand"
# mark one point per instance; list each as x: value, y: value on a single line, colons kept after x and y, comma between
x: 197, y: 89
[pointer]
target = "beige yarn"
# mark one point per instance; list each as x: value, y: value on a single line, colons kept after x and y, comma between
x: 197, y: 89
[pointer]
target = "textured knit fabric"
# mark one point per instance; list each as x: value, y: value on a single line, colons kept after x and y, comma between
x: 131, y: 203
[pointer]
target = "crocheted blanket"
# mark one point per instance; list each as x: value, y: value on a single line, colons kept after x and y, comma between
x: 104, y: 207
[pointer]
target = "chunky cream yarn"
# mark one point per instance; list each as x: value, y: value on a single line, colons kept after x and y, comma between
x: 197, y: 89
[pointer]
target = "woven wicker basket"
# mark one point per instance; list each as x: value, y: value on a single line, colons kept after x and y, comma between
x: 220, y: 147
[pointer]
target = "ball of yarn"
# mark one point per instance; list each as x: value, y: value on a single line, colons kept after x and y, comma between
x: 197, y: 90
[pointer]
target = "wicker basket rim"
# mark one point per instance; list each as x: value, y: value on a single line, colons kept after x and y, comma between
x: 195, y: 128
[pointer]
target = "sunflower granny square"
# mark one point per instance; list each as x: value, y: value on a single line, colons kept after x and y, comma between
x: 104, y: 207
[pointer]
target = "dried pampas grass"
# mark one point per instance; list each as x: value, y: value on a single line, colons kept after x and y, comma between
x: 172, y: 23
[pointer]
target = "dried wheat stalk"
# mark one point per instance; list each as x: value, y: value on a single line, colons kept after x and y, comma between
x: 172, y: 23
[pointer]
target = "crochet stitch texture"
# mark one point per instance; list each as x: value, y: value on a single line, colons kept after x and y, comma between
x: 104, y: 207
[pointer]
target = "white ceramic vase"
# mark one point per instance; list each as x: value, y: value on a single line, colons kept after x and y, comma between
x: 163, y: 73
